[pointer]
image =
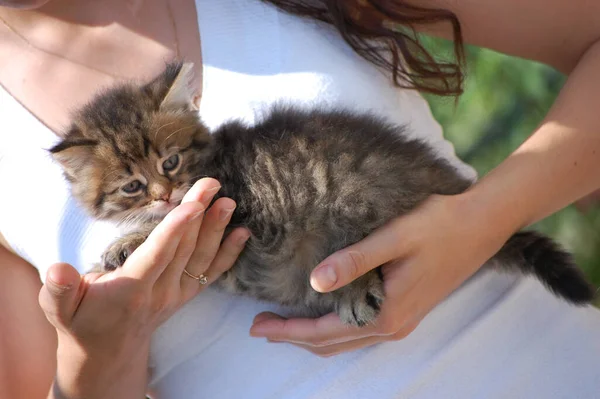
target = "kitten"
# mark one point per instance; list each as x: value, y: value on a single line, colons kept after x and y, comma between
x: 307, y: 183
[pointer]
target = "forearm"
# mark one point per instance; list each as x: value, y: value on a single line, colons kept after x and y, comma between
x: 80, y: 375
x: 557, y: 165
x: 27, y: 340
x: 28, y: 349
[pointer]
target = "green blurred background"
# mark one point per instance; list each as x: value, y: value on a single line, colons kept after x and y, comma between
x: 505, y: 99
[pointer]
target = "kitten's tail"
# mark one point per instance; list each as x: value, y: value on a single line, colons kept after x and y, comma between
x: 538, y: 255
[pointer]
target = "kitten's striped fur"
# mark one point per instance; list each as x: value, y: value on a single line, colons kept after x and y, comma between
x: 307, y: 183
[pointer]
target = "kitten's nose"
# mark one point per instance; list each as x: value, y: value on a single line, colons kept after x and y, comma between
x: 165, y: 197
x: 160, y: 192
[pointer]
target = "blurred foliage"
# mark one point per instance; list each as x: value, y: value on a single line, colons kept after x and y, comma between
x: 505, y: 99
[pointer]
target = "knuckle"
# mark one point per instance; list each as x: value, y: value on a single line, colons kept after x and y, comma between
x: 389, y: 326
x: 201, y: 259
x: 53, y: 315
x: 229, y: 253
x: 320, y: 351
x: 153, y: 256
x: 137, y: 301
x: 163, y: 303
x: 324, y: 355
x: 182, y: 257
x: 356, y: 263
x: 405, y: 332
x: 231, y: 250
x: 219, y: 228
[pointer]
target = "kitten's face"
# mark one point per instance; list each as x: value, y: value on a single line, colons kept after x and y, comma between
x: 134, y: 151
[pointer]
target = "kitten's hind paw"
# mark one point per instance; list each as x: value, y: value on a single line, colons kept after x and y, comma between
x: 361, y: 301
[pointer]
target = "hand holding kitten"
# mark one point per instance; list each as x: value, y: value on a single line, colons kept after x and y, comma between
x: 427, y: 254
x: 104, y: 321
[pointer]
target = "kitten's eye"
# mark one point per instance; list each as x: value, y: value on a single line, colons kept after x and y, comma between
x: 132, y: 187
x: 171, y: 163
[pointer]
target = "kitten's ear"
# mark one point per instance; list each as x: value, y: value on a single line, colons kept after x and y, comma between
x: 74, y: 152
x: 181, y: 93
x: 174, y: 88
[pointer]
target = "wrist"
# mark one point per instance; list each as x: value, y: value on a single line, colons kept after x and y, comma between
x: 91, y: 373
x: 484, y: 211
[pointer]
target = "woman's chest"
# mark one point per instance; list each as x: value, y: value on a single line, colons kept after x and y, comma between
x: 54, y: 60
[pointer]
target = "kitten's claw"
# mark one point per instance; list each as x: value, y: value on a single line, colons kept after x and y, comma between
x: 360, y: 304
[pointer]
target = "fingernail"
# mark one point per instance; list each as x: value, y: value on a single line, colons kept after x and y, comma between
x: 256, y: 332
x: 225, y: 213
x: 197, y: 215
x: 242, y: 240
x: 261, y: 317
x: 58, y: 282
x: 208, y: 194
x: 60, y: 287
x: 323, y: 278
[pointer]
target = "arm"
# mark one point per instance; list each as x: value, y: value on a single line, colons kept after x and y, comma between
x: 27, y: 340
x: 560, y: 162
x: 554, y: 32
x: 28, y: 344
x: 431, y: 251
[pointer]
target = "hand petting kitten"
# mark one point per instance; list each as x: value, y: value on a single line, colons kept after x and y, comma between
x: 111, y: 317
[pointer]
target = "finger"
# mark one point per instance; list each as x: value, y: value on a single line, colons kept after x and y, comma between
x: 59, y: 296
x: 323, y: 331
x: 336, y: 349
x: 209, y: 239
x: 228, y: 253
x: 348, y: 264
x: 360, y: 343
x: 202, y: 191
x: 152, y: 257
x: 226, y: 256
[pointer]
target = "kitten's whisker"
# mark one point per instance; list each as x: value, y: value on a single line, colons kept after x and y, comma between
x: 110, y: 184
x: 110, y: 174
x: 158, y: 130
x: 127, y: 219
x: 178, y: 130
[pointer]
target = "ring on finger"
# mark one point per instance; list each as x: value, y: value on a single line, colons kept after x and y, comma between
x: 202, y: 279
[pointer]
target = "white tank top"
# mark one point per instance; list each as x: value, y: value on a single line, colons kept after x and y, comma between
x: 496, y: 337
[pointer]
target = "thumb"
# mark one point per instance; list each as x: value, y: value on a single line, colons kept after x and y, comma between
x: 348, y: 264
x: 59, y: 296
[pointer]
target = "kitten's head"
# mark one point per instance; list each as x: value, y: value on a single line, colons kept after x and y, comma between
x: 134, y: 150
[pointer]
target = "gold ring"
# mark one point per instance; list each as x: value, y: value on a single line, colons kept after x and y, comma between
x: 201, y: 278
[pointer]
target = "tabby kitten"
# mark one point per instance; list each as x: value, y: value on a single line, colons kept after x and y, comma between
x: 307, y: 183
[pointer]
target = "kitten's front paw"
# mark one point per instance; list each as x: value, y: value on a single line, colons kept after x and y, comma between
x: 118, y: 252
x: 361, y: 301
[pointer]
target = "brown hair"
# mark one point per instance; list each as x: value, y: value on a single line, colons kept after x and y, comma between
x: 383, y: 32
